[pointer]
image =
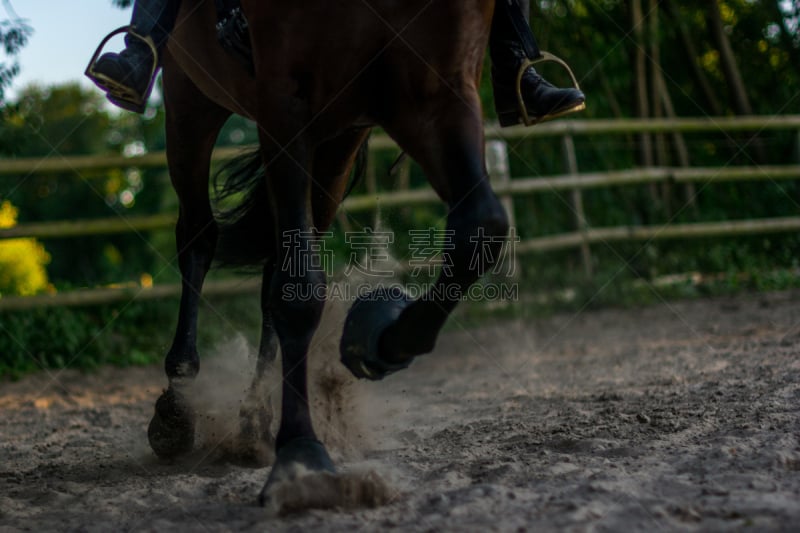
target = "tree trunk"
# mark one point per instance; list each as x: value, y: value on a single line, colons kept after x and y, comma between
x: 733, y: 77
x: 613, y: 103
x: 713, y: 106
x: 656, y: 84
x: 645, y: 153
x: 640, y: 80
x: 682, y: 151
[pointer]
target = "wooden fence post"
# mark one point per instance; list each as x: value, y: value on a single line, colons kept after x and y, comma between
x: 797, y: 146
x: 500, y: 176
x: 581, y: 225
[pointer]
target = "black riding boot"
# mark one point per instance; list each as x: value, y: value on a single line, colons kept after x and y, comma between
x: 542, y: 99
x: 128, y: 77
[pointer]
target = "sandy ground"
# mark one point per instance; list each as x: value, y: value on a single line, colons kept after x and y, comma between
x: 678, y: 416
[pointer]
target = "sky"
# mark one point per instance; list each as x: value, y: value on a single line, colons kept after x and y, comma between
x: 66, y: 34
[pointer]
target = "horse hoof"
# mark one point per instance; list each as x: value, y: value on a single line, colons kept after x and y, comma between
x: 367, y: 319
x: 171, y: 430
x: 297, y: 458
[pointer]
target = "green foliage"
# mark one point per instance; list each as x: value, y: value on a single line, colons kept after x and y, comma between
x: 70, y: 120
x: 14, y: 34
x: 126, y: 334
x: 22, y: 261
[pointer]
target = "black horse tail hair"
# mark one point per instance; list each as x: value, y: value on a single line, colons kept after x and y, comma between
x: 360, y: 167
x: 246, y: 236
x: 245, y: 228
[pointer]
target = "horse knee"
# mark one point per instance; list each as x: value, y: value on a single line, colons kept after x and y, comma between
x: 296, y: 303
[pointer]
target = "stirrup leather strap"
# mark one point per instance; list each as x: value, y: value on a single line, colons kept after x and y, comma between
x: 114, y: 88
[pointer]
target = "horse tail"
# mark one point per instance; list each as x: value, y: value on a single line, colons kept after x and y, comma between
x: 359, y: 168
x: 243, y: 216
x: 245, y: 229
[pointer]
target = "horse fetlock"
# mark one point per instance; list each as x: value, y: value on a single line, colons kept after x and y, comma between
x: 182, y: 364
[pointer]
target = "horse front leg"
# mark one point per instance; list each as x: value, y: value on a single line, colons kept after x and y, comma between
x: 296, y: 301
x: 192, y: 125
x: 385, y: 330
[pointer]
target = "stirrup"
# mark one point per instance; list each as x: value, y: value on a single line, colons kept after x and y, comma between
x: 523, y: 110
x: 118, y: 93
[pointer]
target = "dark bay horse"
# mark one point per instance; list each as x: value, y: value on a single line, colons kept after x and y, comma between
x: 326, y: 71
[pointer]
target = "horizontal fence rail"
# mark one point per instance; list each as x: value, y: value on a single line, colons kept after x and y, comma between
x: 29, y: 166
x: 132, y: 292
x: 506, y: 187
x: 515, y: 187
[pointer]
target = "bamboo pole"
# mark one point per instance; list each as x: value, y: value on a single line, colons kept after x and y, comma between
x: 85, y: 228
x: 413, y: 197
x: 106, y: 295
x: 500, y: 174
x: 674, y: 231
x: 63, y: 164
x: 571, y: 161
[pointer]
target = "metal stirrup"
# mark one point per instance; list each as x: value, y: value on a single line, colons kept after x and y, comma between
x: 534, y: 55
x: 114, y: 88
x: 523, y: 110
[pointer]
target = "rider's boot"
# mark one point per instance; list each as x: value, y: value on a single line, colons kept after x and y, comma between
x: 542, y: 99
x: 127, y: 77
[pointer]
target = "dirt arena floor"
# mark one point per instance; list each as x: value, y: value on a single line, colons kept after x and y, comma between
x: 680, y: 416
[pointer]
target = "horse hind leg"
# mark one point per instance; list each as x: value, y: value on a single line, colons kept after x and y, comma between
x: 192, y: 125
x: 256, y: 441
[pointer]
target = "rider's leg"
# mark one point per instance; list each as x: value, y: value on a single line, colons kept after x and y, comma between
x: 127, y: 77
x: 542, y: 99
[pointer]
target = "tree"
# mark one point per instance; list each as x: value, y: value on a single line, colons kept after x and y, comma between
x: 14, y: 34
x: 70, y: 120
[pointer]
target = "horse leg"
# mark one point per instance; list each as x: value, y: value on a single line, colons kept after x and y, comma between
x: 384, y: 332
x: 255, y: 413
x: 192, y: 125
x: 333, y: 161
x: 296, y: 297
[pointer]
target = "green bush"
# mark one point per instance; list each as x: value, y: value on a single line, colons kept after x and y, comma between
x: 126, y: 334
x: 22, y: 261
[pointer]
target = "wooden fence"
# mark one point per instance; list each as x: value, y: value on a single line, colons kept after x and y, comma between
x: 573, y: 182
